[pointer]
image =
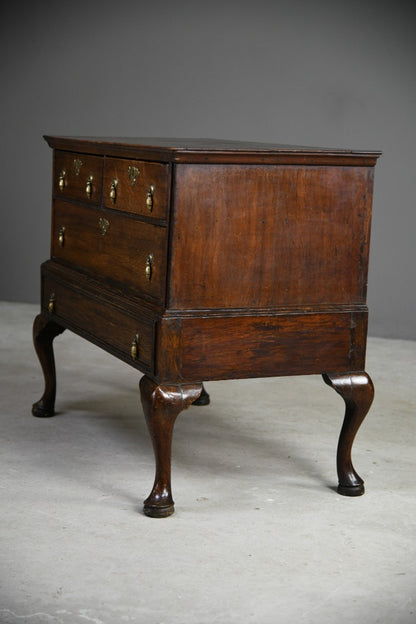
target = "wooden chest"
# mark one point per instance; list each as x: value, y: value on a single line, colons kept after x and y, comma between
x: 196, y: 260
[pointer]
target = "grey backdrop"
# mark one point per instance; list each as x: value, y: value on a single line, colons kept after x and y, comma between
x: 331, y: 73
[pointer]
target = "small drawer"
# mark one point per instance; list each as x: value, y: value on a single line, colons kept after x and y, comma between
x: 136, y: 186
x: 129, y: 337
x: 78, y: 176
x: 113, y: 246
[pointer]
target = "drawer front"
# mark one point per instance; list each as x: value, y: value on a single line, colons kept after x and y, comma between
x: 113, y: 246
x: 125, y: 336
x: 78, y: 176
x: 135, y: 186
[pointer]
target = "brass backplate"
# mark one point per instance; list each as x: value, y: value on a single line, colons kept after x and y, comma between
x: 77, y: 165
x: 103, y: 224
x: 133, y: 174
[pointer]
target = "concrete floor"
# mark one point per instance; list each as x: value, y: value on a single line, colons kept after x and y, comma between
x: 259, y: 535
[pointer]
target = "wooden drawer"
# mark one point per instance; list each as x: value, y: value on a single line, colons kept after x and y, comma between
x: 78, y: 176
x: 111, y: 328
x: 136, y: 186
x: 111, y: 245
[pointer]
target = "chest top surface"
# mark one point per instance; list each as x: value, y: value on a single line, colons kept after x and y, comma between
x: 192, y: 150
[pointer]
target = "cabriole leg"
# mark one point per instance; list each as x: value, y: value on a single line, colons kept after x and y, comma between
x: 44, y: 332
x: 357, y: 390
x: 161, y: 406
x: 203, y: 398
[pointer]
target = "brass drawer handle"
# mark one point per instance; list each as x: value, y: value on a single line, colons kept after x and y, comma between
x: 135, y: 347
x: 149, y: 197
x: 51, y: 304
x: 149, y: 265
x: 61, y: 236
x: 88, y: 186
x: 113, y: 190
x: 62, y: 180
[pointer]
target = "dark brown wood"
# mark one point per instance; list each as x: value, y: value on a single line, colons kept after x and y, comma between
x: 230, y: 347
x: 44, y: 332
x: 274, y: 236
x: 97, y: 319
x: 161, y: 406
x: 357, y: 390
x: 76, y: 170
x: 203, y: 399
x: 118, y: 253
x: 250, y: 260
x: 131, y: 196
x: 213, y: 151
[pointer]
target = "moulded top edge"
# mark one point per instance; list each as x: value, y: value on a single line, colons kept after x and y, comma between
x: 200, y: 150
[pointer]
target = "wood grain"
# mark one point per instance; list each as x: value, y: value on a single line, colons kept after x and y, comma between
x: 269, y: 236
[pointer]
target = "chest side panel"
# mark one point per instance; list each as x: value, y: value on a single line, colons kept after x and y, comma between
x: 248, y: 236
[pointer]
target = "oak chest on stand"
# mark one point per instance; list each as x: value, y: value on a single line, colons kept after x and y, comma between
x: 198, y: 260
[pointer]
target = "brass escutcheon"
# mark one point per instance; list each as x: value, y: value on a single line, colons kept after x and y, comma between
x: 77, y: 165
x: 103, y: 224
x: 133, y: 174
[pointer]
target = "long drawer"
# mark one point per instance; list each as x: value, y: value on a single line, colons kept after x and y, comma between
x: 113, y: 246
x: 126, y: 335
